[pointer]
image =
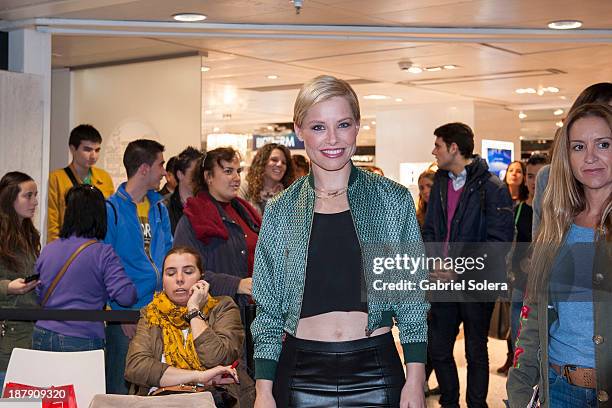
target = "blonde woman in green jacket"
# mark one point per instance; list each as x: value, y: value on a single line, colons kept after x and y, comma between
x: 564, y: 343
x: 19, y: 248
x: 322, y: 332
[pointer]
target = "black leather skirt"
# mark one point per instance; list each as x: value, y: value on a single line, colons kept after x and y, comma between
x: 359, y: 373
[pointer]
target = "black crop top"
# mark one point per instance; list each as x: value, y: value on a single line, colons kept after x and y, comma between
x: 334, y: 276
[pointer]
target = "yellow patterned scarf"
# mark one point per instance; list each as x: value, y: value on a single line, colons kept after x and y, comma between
x: 165, y: 314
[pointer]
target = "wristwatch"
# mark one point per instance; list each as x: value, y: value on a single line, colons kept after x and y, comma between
x: 193, y: 313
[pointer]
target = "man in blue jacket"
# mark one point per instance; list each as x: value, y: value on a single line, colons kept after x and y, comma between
x: 469, y: 208
x: 139, y: 231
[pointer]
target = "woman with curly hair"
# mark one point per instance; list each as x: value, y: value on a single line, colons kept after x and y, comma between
x: 271, y: 172
x: 19, y: 248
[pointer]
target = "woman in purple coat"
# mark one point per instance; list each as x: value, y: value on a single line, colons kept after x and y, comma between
x: 94, y: 276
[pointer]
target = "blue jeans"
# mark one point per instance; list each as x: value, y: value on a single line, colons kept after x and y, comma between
x: 564, y: 395
x: 47, y: 340
x: 2, y: 377
x: 116, y: 350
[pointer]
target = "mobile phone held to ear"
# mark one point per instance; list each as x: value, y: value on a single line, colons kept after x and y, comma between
x: 31, y: 278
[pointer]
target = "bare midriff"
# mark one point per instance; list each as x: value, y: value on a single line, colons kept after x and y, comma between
x: 336, y: 326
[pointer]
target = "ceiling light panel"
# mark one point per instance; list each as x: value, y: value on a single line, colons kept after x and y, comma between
x: 565, y: 24
x: 189, y: 17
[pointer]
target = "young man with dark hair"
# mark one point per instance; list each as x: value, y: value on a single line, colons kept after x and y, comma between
x: 139, y: 232
x: 171, y: 181
x: 467, y: 205
x: 183, y: 172
x: 84, y: 144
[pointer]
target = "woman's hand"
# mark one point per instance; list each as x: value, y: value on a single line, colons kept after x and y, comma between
x: 215, y: 376
x: 413, y: 394
x: 198, y: 295
x: 245, y: 287
x: 263, y: 394
x: 20, y: 287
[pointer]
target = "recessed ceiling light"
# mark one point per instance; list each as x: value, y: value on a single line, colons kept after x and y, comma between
x: 189, y: 17
x: 366, y: 127
x: 563, y: 97
x: 525, y: 91
x: 272, y: 77
x: 373, y: 122
x: 450, y: 67
x: 207, y: 112
x: 433, y: 69
x: 415, y: 70
x: 205, y: 68
x: 565, y: 24
x: 375, y: 97
x: 399, y: 100
x: 551, y: 89
x: 522, y: 115
x: 521, y: 137
x: 269, y: 127
x: 559, y: 123
x: 216, y: 129
x: 558, y: 112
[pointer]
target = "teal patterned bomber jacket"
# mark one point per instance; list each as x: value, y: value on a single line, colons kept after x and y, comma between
x: 384, y: 215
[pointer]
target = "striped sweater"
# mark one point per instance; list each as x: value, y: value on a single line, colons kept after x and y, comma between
x: 385, y: 221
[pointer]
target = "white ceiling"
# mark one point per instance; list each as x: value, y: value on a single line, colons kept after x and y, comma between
x: 492, y: 63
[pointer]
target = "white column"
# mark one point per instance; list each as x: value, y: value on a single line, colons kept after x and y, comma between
x: 405, y: 135
x: 59, y: 156
x: 156, y: 100
x: 30, y: 53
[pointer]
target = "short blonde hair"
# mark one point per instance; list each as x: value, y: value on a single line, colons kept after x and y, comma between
x: 320, y: 89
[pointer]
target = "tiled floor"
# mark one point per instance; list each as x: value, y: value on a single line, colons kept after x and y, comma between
x: 498, y: 351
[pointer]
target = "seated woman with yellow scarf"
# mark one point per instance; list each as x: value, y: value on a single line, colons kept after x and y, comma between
x: 185, y: 336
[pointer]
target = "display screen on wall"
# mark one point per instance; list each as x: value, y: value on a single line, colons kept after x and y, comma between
x: 289, y: 140
x: 498, y: 155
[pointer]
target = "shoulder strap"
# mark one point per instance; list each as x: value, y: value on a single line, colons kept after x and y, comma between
x: 518, y: 213
x: 71, y: 176
x: 63, y: 270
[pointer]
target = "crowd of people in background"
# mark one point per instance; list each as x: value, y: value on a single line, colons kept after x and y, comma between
x: 255, y: 288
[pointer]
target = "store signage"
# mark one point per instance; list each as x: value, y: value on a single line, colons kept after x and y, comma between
x: 290, y: 140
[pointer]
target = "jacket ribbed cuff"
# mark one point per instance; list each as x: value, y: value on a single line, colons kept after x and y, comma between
x: 415, y: 352
x: 265, y: 369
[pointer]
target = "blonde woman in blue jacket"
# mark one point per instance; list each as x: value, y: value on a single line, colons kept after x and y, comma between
x: 322, y: 332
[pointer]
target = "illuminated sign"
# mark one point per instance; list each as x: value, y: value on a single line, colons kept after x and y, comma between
x: 289, y: 140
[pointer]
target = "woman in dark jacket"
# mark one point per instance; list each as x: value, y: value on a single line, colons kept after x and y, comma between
x: 220, y: 225
x: 19, y: 247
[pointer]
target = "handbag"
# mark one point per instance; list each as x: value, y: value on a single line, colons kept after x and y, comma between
x: 499, y: 328
x: 62, y: 271
x: 223, y: 399
x: 52, y: 397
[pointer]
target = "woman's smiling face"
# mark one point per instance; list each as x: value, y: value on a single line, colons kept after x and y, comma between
x: 329, y: 131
